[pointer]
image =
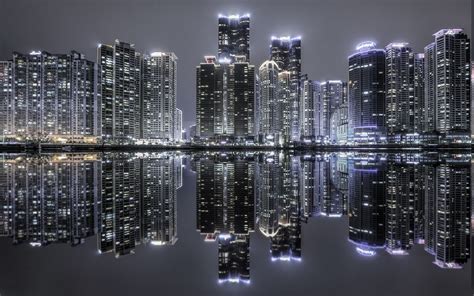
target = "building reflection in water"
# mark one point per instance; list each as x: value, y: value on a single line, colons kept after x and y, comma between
x: 392, y: 202
x: 280, y: 206
x: 138, y: 201
x: 225, y: 209
x: 124, y: 199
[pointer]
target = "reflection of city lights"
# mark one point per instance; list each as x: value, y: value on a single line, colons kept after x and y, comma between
x: 157, y: 243
x: 225, y: 236
x: 397, y: 252
x: 365, y: 252
x: 286, y: 258
x: 447, y: 265
x: 234, y: 280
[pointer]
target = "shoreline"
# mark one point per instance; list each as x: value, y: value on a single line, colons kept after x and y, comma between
x: 12, y: 148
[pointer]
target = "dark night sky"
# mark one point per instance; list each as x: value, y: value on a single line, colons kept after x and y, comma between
x: 330, y: 28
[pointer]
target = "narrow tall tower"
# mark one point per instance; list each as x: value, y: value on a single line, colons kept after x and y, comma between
x: 234, y: 37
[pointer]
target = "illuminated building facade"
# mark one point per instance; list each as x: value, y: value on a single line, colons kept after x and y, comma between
x: 6, y: 89
x: 286, y: 52
x: 270, y: 109
x: 159, y: 97
x: 179, y: 125
x: 120, y: 92
x: 450, y: 59
x: 419, y: 93
x: 307, y: 110
x: 225, y: 101
x: 233, y: 37
x: 400, y: 92
x: 366, y: 89
x: 50, y: 98
x: 332, y: 111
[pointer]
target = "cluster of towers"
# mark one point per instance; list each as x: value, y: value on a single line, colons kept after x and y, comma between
x: 225, y: 100
x: 125, y: 97
x: 393, y: 95
x: 399, y: 96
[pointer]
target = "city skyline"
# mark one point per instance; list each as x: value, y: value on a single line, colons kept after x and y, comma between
x: 247, y: 147
x: 444, y: 15
x: 394, y: 95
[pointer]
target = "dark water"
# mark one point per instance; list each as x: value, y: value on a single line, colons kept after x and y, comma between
x: 235, y: 224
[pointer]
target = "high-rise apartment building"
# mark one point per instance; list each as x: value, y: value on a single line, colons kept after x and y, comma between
x: 50, y: 98
x: 419, y: 93
x: 452, y: 87
x: 332, y: 97
x: 400, y: 92
x: 307, y: 112
x: 286, y: 52
x: 159, y: 97
x: 366, y: 89
x: 6, y: 91
x: 120, y: 92
x: 269, y: 105
x: 178, y: 125
x: 225, y: 100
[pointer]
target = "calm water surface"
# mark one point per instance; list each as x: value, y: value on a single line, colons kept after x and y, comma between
x: 207, y: 223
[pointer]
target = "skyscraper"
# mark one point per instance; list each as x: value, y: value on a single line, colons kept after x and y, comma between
x: 419, y: 93
x: 242, y: 93
x: 332, y: 97
x: 286, y: 52
x: 178, y: 125
x: 429, y: 107
x: 270, y: 107
x: 6, y: 89
x: 120, y: 92
x: 472, y: 98
x: 452, y: 85
x: 285, y: 103
x: 225, y: 100
x: 307, y: 111
x: 159, y: 97
x: 367, y: 94
x: 233, y: 37
x: 54, y: 98
x: 399, y: 98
